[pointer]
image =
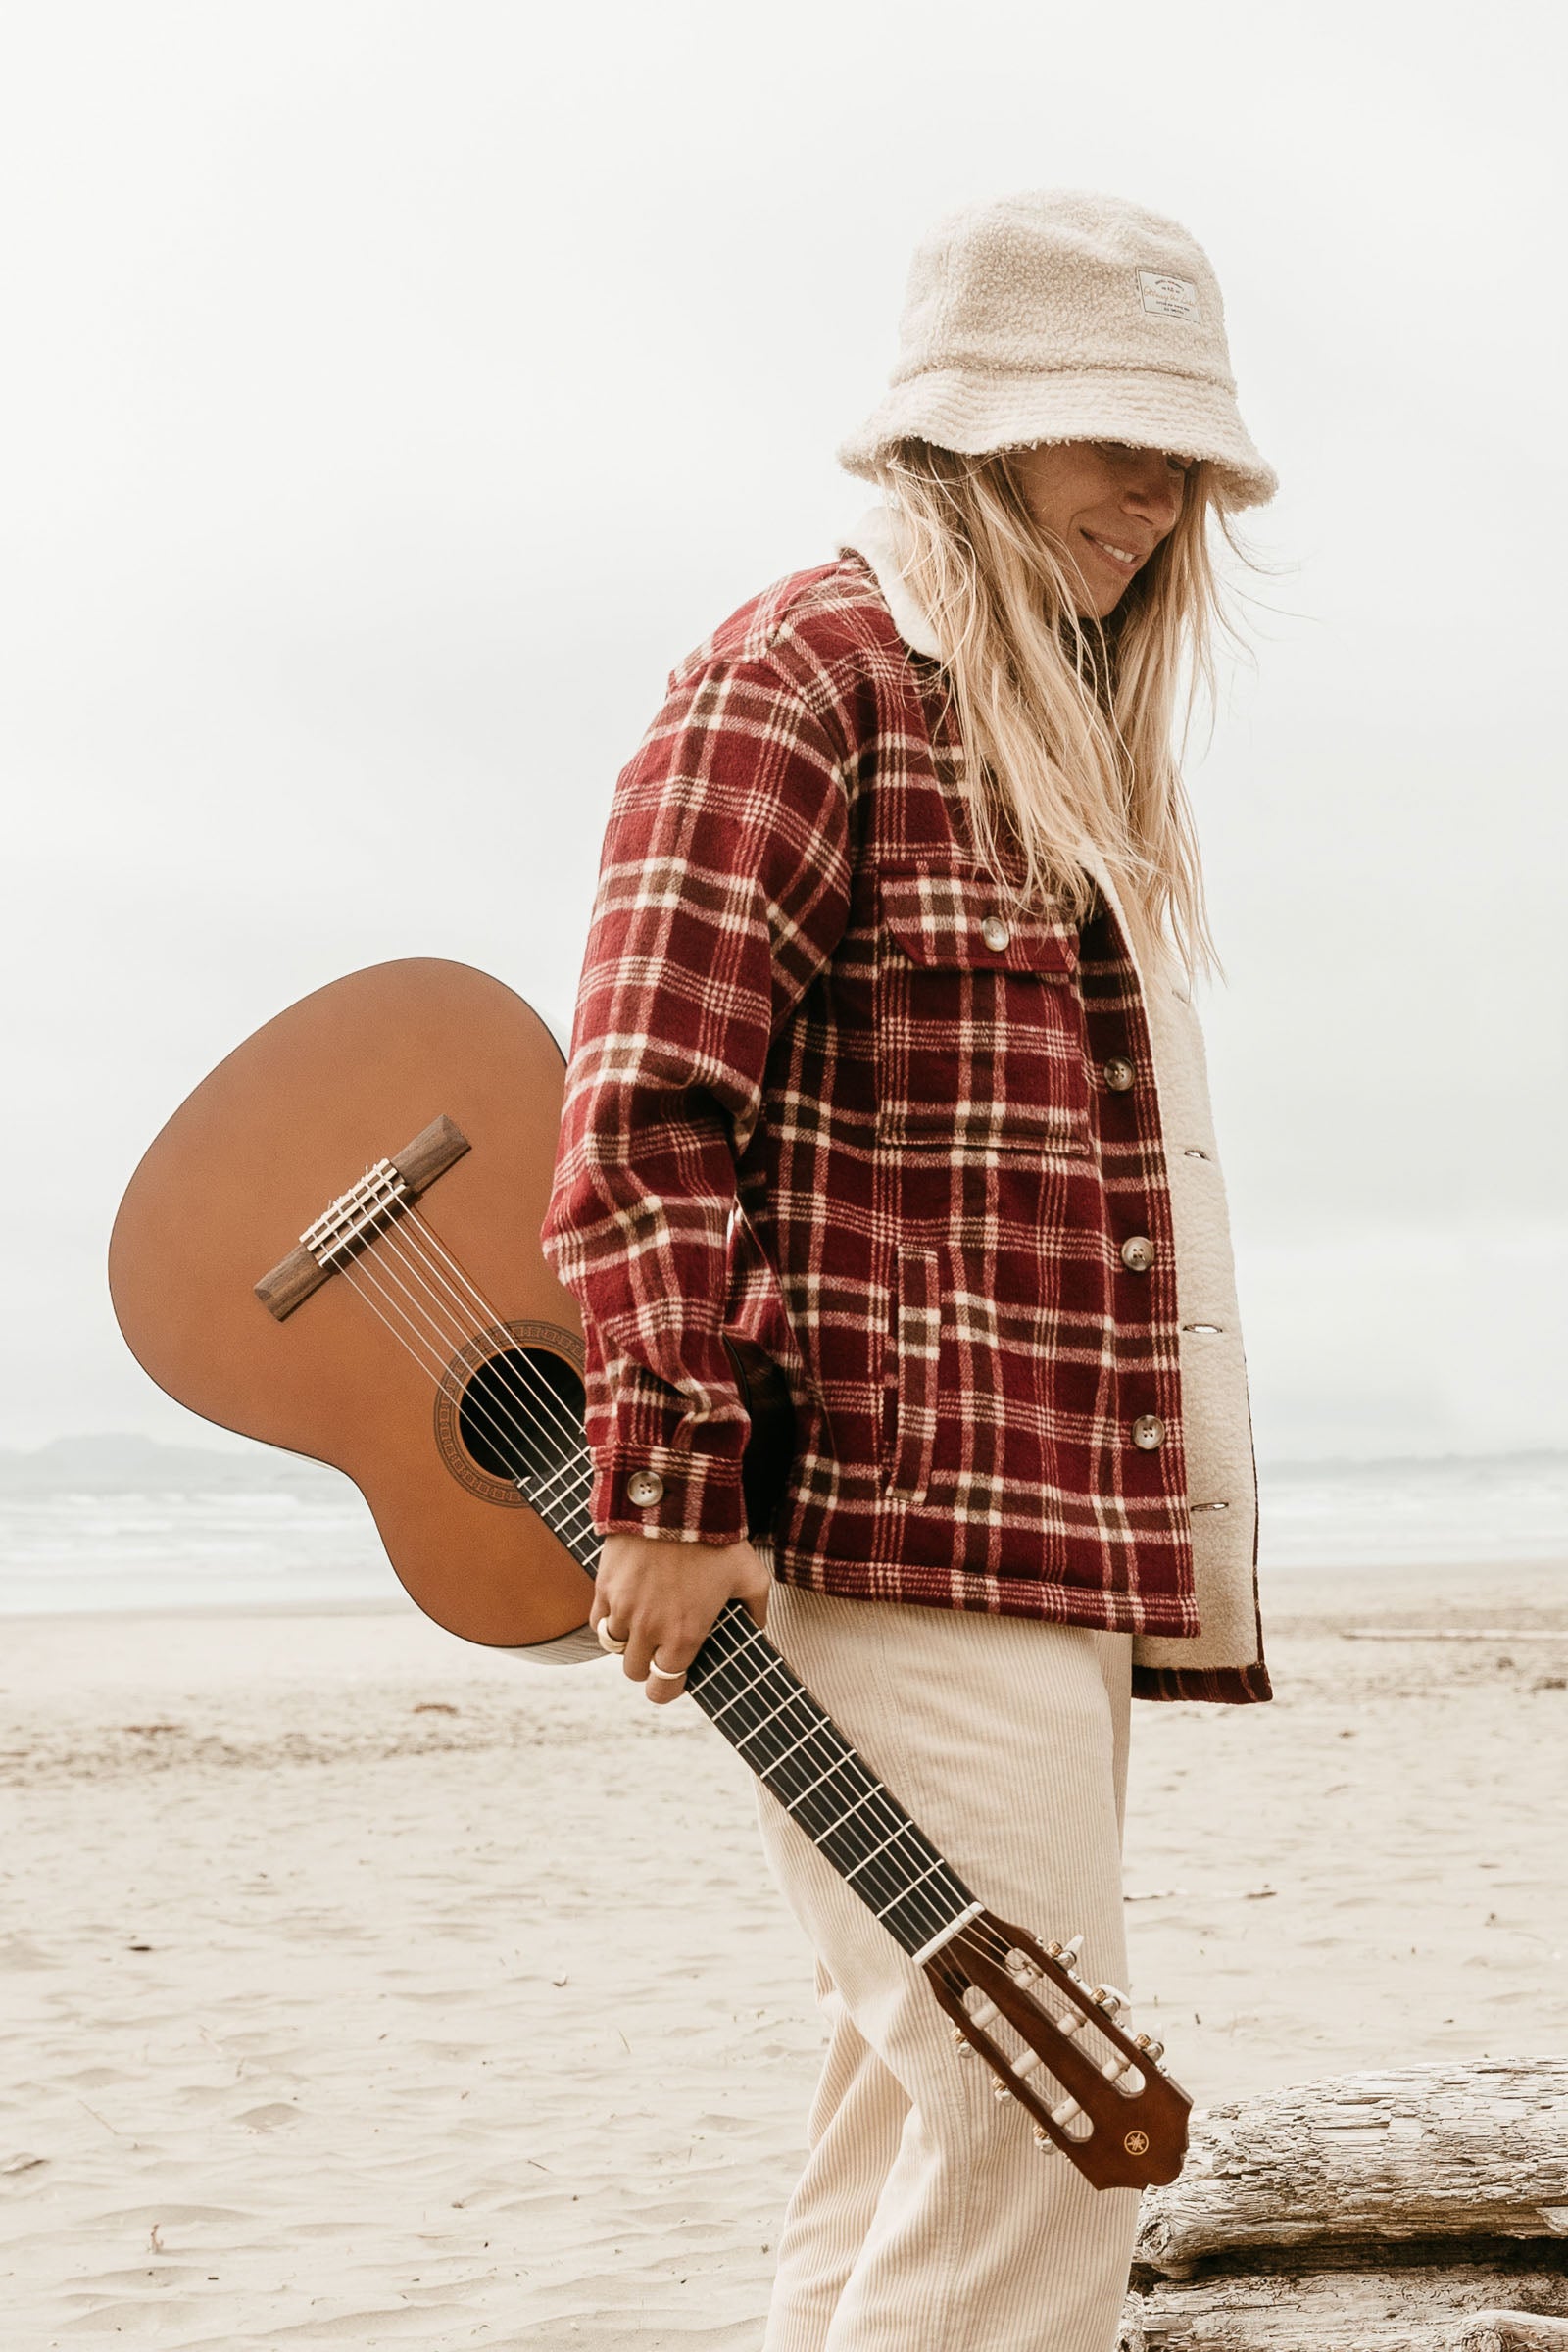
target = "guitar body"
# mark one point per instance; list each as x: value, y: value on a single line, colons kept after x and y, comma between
x: 279, y: 1130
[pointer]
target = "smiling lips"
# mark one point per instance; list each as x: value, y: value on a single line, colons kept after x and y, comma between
x: 1119, y: 556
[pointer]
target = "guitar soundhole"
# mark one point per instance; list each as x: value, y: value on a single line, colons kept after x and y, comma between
x: 510, y: 1413
x: 521, y: 1416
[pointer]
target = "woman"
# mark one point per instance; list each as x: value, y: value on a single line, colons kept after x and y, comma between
x: 885, y: 1058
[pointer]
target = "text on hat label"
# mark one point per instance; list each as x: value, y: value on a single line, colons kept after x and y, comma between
x: 1168, y: 297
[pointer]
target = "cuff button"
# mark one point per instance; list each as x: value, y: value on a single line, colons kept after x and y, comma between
x: 645, y: 1486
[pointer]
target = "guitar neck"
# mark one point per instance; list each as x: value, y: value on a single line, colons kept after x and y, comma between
x: 765, y: 1712
x: 745, y: 1688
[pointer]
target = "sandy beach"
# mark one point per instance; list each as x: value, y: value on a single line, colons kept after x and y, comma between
x: 365, y: 1988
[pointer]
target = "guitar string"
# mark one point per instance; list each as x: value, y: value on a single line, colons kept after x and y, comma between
x: 902, y: 1892
x: 508, y: 1378
x: 366, y: 1281
x: 975, y: 1934
x: 453, y: 1267
x: 756, y: 1683
x: 731, y: 1651
x: 723, y: 1653
x: 572, y: 1430
x: 752, y: 1685
x: 728, y: 1653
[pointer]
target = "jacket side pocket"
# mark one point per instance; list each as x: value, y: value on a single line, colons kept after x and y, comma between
x: 916, y: 1337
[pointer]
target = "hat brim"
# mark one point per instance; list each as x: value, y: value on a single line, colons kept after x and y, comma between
x: 975, y: 413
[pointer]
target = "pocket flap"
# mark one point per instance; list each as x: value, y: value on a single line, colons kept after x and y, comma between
x: 960, y: 920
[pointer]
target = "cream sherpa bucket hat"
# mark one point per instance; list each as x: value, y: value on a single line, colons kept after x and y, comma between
x: 1065, y: 316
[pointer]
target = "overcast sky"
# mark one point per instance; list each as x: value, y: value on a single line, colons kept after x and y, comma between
x: 394, y: 393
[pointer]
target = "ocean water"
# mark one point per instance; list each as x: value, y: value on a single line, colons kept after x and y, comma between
x: 125, y: 1524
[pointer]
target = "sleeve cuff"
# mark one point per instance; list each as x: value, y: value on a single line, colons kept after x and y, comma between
x: 668, y: 1491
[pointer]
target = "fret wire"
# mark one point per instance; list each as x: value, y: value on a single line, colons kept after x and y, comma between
x: 783, y: 1708
x: 817, y: 1783
x: 851, y: 1875
x: 738, y: 1646
x: 838, y: 1827
x: 901, y: 1898
x: 779, y: 1760
x: 729, y: 1645
x: 540, y: 1488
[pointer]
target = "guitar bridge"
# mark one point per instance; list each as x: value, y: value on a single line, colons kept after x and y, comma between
x: 356, y: 1217
x: 359, y: 1216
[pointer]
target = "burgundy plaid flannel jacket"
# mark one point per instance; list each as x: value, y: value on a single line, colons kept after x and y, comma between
x: 824, y: 1093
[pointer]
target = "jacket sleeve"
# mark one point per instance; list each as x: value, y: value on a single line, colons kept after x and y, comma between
x: 723, y: 889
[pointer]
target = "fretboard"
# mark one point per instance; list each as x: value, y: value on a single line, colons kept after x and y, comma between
x: 797, y: 1752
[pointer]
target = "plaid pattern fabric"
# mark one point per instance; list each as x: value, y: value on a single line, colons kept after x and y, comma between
x: 824, y: 1089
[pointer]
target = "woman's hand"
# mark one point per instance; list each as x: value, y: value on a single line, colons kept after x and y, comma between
x: 660, y: 1598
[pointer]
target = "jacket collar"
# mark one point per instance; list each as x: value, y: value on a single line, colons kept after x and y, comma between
x: 872, y: 538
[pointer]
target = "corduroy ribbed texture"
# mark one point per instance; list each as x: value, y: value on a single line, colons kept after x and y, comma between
x: 926, y: 2219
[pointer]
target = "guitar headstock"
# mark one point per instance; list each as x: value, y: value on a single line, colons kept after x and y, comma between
x: 1058, y: 2046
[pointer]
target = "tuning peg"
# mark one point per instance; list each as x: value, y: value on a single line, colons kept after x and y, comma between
x: 1154, y: 2051
x: 964, y: 2045
x: 1107, y: 1998
x: 1043, y: 2140
x: 999, y: 2089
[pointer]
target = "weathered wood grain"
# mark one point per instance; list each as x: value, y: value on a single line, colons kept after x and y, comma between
x: 1511, y: 2331
x: 433, y: 1152
x: 1473, y: 2151
x: 1400, y: 2308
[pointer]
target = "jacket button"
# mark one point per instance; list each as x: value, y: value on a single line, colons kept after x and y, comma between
x: 1149, y: 1431
x: 1138, y: 1254
x: 645, y: 1486
x: 996, y: 934
x: 1119, y: 1074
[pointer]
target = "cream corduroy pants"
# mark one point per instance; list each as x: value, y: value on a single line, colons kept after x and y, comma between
x: 926, y: 2219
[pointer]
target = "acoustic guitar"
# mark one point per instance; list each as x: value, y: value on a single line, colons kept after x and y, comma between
x: 404, y: 1325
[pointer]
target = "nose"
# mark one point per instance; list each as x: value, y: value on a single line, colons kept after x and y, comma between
x: 1153, y: 491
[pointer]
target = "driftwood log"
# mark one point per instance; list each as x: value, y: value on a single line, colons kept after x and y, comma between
x: 1511, y: 2331
x: 1421, y: 2210
x: 1415, y: 2307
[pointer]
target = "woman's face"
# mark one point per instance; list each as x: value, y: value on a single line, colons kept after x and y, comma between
x: 1107, y: 505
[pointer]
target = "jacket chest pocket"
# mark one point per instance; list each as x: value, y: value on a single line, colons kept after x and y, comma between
x: 979, y: 1025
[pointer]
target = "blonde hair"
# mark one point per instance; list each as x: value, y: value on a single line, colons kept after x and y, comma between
x: 1066, y: 723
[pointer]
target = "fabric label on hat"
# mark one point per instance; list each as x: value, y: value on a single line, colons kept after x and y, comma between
x: 1169, y: 297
